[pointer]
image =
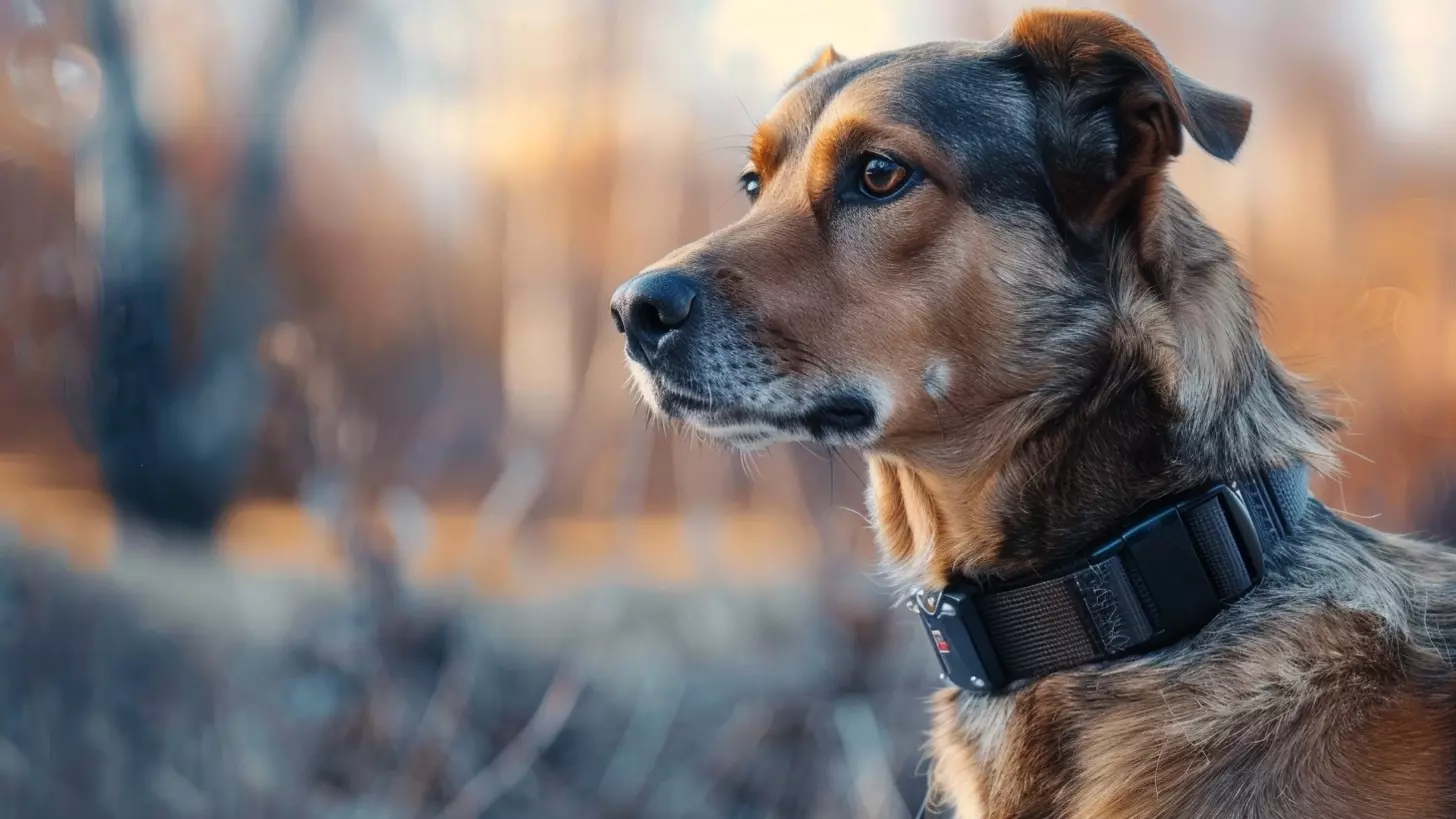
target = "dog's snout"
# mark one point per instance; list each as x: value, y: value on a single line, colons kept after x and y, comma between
x: 650, y: 308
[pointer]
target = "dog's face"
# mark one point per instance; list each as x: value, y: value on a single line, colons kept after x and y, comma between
x: 915, y: 260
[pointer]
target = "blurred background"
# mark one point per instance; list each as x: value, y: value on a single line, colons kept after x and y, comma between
x: 323, y: 489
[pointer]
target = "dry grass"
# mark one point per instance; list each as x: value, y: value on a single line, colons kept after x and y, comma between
x: 167, y: 688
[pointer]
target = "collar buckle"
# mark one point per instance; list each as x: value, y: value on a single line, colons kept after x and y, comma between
x: 1176, y: 572
x: 959, y: 636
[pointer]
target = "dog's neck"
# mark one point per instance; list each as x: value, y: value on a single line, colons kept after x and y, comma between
x: 1184, y: 392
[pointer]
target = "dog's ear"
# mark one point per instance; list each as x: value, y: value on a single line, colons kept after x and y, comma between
x: 1111, y: 110
x: 825, y: 59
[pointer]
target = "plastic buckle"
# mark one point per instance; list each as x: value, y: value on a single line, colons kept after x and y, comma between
x: 960, y: 640
x: 1162, y: 551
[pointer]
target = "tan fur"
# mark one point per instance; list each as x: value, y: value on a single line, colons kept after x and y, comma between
x: 823, y: 60
x: 928, y: 525
x: 955, y: 779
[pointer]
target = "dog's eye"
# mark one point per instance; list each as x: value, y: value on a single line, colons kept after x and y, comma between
x: 751, y: 185
x: 881, y: 177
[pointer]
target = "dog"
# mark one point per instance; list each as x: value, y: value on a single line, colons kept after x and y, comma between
x: 967, y: 261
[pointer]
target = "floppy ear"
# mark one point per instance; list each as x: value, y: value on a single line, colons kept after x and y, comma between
x: 825, y: 59
x: 1111, y: 110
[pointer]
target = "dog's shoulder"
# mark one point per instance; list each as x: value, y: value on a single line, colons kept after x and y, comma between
x: 1407, y: 584
x: 1330, y: 692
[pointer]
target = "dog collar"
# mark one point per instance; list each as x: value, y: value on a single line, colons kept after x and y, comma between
x: 1159, y: 580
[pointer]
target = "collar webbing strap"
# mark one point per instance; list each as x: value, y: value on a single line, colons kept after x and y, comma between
x: 1161, y: 579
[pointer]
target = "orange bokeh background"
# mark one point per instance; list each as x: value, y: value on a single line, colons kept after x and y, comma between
x: 467, y: 183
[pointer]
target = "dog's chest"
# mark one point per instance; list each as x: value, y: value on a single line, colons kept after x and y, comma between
x: 1158, y: 747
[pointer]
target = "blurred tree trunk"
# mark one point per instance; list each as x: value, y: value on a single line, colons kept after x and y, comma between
x: 173, y: 440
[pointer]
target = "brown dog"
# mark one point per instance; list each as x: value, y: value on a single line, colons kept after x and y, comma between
x: 966, y: 260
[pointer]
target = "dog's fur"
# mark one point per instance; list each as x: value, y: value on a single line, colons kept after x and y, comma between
x: 1051, y: 337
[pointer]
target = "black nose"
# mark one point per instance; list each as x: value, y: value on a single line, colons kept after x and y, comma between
x: 650, y: 308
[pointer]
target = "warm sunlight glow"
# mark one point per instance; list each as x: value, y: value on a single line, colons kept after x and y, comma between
x: 759, y: 44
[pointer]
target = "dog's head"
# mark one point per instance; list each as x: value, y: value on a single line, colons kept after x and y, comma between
x: 935, y: 264
x: 906, y: 271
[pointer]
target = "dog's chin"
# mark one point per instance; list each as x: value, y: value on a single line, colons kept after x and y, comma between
x: 848, y: 419
x: 742, y: 431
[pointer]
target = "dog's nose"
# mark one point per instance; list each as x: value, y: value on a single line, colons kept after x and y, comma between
x: 651, y: 307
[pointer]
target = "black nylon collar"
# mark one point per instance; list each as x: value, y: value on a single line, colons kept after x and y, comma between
x: 1161, y: 579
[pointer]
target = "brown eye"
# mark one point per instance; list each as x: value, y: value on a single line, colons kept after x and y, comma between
x: 882, y: 177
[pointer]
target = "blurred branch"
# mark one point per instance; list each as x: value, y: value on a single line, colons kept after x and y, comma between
x: 869, y: 759
x: 641, y: 744
x: 517, y: 758
x: 172, y: 446
x: 430, y: 745
x: 510, y: 499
